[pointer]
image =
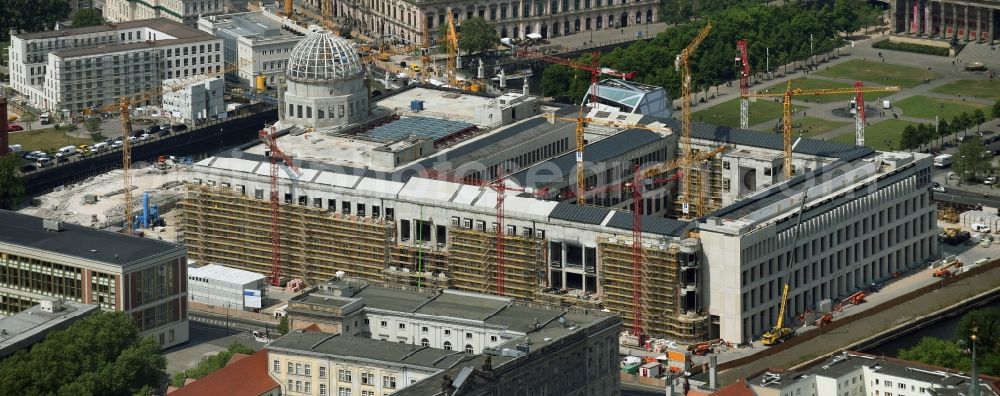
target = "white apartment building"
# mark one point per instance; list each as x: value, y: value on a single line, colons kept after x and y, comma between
x: 184, y: 11
x: 202, y: 99
x: 550, y: 18
x: 859, y: 374
x: 259, y: 42
x: 222, y: 286
x: 91, y: 67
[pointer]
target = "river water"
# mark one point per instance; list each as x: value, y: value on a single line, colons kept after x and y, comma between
x: 944, y: 329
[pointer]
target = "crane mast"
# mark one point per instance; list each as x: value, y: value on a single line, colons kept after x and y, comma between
x: 859, y: 115
x: 124, y: 112
x: 274, y: 155
x: 744, y: 85
x: 780, y: 332
x: 683, y: 62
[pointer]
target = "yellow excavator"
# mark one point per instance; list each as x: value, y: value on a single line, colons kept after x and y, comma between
x: 781, y: 333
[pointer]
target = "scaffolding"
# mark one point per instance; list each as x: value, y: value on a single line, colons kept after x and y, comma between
x: 662, y: 315
x: 227, y: 227
x: 472, y: 261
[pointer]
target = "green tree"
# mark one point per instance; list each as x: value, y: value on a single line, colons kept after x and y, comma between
x: 209, y: 364
x: 957, y: 124
x: 996, y: 109
x: 93, y: 125
x: 87, y: 17
x: 283, y: 325
x: 970, y: 162
x: 925, y: 134
x: 910, y: 139
x: 943, y: 130
x: 11, y: 183
x: 31, y: 15
x: 27, y: 118
x: 987, y: 324
x: 978, y: 118
x: 102, y: 354
x: 938, y: 352
x: 477, y: 36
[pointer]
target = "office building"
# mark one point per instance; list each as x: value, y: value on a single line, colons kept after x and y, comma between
x: 23, y: 329
x: 258, y: 42
x: 91, y: 67
x: 145, y: 278
x: 181, y: 11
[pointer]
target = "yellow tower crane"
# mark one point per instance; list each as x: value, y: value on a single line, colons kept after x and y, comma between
x: 683, y: 64
x: 786, y: 119
x: 451, y: 41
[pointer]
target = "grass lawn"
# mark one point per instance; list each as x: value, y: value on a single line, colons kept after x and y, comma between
x: 817, y: 126
x: 728, y: 113
x: 47, y: 139
x: 807, y: 83
x: 927, y: 107
x: 877, y: 135
x: 880, y: 73
x: 984, y: 89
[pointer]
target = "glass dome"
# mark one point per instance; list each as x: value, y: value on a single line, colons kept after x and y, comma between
x: 323, y: 56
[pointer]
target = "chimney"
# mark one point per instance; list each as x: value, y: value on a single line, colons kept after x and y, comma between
x: 4, y: 143
x: 713, y: 362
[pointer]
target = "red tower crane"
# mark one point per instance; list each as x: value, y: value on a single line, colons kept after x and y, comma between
x: 274, y: 154
x: 744, y: 85
x: 859, y: 119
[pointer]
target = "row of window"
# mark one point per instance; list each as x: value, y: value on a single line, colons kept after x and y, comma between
x: 296, y: 111
x: 343, y: 375
x: 527, y: 7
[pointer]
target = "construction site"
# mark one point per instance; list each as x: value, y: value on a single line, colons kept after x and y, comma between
x: 689, y: 231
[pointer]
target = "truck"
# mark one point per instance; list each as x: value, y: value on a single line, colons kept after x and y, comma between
x: 942, y: 161
x: 45, y: 118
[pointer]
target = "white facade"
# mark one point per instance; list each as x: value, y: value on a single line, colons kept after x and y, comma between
x: 91, y: 67
x: 199, y: 100
x: 184, y: 11
x: 874, y: 226
x: 408, y: 19
x: 222, y: 286
x: 259, y: 42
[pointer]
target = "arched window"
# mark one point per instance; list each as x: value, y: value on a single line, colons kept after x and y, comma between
x: 424, y: 342
x: 447, y: 345
x: 468, y: 349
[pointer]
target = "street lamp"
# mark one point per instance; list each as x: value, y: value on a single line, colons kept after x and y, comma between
x: 974, y: 383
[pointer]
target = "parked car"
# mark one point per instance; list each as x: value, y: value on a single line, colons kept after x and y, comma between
x: 34, y: 155
x: 28, y: 168
x: 153, y: 129
x: 164, y: 132
x: 145, y: 136
x: 138, y: 132
x: 117, y: 144
x: 990, y: 180
x: 14, y: 128
x: 179, y: 127
x: 133, y: 140
x: 66, y: 151
x: 43, y: 162
x: 939, y: 189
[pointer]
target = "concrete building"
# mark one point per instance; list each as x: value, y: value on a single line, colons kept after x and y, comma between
x: 380, y: 339
x: 225, y: 287
x: 258, y: 42
x: 183, y: 11
x: 144, y: 278
x: 630, y: 97
x: 857, y: 373
x: 27, y: 327
x: 409, y: 19
x: 427, y: 217
x: 199, y: 100
x: 325, y: 83
x: 91, y: 67
x: 974, y: 20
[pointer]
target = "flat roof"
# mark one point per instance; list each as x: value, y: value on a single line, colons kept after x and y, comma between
x: 33, y: 324
x: 130, y: 46
x: 165, y: 26
x: 225, y: 274
x: 255, y: 25
x: 326, y: 150
x: 339, y: 345
x: 442, y: 104
x: 81, y: 242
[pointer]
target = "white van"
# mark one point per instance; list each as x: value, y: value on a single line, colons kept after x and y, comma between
x: 983, y: 228
x: 99, y: 147
x: 15, y: 148
x: 66, y: 151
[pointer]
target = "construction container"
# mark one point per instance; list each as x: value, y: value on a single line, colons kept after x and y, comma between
x: 969, y: 218
x: 631, y: 369
x: 261, y: 83
x: 651, y: 369
x: 416, y: 105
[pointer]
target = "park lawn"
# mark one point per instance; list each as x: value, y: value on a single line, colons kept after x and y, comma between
x: 48, y: 139
x: 809, y: 83
x: 817, y: 126
x: 926, y: 107
x: 984, y: 89
x: 880, y: 135
x: 728, y: 113
x: 880, y: 73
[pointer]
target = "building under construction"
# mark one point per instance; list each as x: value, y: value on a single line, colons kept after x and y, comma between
x: 436, y: 188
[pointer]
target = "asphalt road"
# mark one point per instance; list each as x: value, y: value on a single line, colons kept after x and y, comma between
x: 632, y: 390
